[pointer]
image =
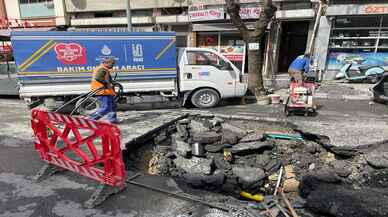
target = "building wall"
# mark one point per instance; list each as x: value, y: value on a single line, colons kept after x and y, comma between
x: 94, y: 5
x: 12, y: 7
x: 101, y: 5
x: 3, y: 11
x: 142, y: 4
x: 61, y: 17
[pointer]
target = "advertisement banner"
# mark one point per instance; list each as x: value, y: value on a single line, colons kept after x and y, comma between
x: 61, y: 53
x: 337, y: 59
x: 233, y: 53
x: 206, y: 14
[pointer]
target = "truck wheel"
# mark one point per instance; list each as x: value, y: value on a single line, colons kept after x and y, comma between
x: 205, y: 98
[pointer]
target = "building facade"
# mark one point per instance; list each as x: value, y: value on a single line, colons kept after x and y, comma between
x: 349, y: 30
x: 147, y: 15
x: 286, y: 37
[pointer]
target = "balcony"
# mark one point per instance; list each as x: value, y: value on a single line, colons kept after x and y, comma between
x: 37, y: 10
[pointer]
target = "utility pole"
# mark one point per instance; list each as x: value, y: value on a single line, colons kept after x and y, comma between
x: 316, y: 25
x: 129, y: 17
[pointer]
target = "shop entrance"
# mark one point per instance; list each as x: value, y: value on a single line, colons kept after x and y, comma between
x: 293, y: 42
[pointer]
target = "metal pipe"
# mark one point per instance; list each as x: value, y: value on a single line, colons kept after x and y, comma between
x: 279, y: 180
x: 129, y: 15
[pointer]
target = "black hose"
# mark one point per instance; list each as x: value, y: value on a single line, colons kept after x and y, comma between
x: 117, y: 97
x: 78, y: 97
x: 91, y: 94
x: 88, y: 95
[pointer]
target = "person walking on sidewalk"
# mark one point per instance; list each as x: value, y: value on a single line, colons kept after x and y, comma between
x: 298, y: 67
x: 102, y: 79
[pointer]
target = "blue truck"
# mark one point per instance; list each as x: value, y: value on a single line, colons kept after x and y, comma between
x: 57, y: 66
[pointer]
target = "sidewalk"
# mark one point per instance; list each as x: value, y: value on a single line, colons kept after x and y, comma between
x: 338, y: 91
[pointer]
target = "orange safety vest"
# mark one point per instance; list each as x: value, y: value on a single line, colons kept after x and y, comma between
x: 96, y: 85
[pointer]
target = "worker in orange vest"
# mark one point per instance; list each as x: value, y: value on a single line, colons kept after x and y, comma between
x: 102, y: 79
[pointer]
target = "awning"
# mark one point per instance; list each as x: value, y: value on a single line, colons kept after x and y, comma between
x: 6, y: 33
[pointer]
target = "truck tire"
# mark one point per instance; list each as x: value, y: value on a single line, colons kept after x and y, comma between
x: 205, y: 98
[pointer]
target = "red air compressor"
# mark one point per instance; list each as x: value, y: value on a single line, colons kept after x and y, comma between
x: 301, y: 98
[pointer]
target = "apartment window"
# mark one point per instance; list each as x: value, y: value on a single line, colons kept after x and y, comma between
x: 36, y: 8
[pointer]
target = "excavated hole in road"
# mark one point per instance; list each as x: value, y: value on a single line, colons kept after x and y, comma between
x: 230, y: 156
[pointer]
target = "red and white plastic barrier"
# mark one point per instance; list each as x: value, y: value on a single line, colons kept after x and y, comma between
x: 86, y: 147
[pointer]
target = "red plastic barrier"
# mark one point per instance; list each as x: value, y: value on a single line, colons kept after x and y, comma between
x: 89, y: 148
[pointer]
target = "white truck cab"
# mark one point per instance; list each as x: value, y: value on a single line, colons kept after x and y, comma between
x: 208, y: 77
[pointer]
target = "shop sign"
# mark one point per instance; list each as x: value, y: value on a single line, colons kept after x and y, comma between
x: 233, y: 53
x: 376, y: 9
x: 254, y: 46
x: 248, y: 13
x: 207, y: 14
x: 370, y: 9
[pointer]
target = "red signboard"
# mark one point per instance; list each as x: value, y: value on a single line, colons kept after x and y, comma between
x: 71, y: 53
x: 376, y: 9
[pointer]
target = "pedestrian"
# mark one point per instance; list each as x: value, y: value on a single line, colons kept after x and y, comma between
x: 102, y: 79
x: 298, y: 67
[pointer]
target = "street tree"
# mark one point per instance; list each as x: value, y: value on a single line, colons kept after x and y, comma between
x: 255, y: 78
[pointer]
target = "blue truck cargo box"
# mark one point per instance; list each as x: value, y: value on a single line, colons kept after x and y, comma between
x: 67, y: 57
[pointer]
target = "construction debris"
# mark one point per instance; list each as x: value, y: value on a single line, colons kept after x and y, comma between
x: 251, y: 162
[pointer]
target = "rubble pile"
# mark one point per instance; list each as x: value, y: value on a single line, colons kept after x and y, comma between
x: 233, y: 156
x: 240, y: 158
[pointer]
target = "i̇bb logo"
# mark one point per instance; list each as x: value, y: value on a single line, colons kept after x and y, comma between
x: 71, y: 53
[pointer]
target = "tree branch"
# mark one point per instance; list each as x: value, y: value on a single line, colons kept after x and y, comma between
x: 267, y: 12
x: 233, y: 9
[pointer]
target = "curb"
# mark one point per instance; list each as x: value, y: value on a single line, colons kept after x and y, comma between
x: 342, y: 97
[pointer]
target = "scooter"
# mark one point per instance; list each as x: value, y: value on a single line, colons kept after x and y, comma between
x: 369, y: 73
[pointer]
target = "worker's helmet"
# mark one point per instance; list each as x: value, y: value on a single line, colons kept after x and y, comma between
x: 109, y: 60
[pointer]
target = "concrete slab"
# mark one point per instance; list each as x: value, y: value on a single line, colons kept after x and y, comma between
x: 138, y: 125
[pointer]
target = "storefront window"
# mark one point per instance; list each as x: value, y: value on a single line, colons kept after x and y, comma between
x: 360, y: 40
x: 358, y: 34
x: 229, y: 45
